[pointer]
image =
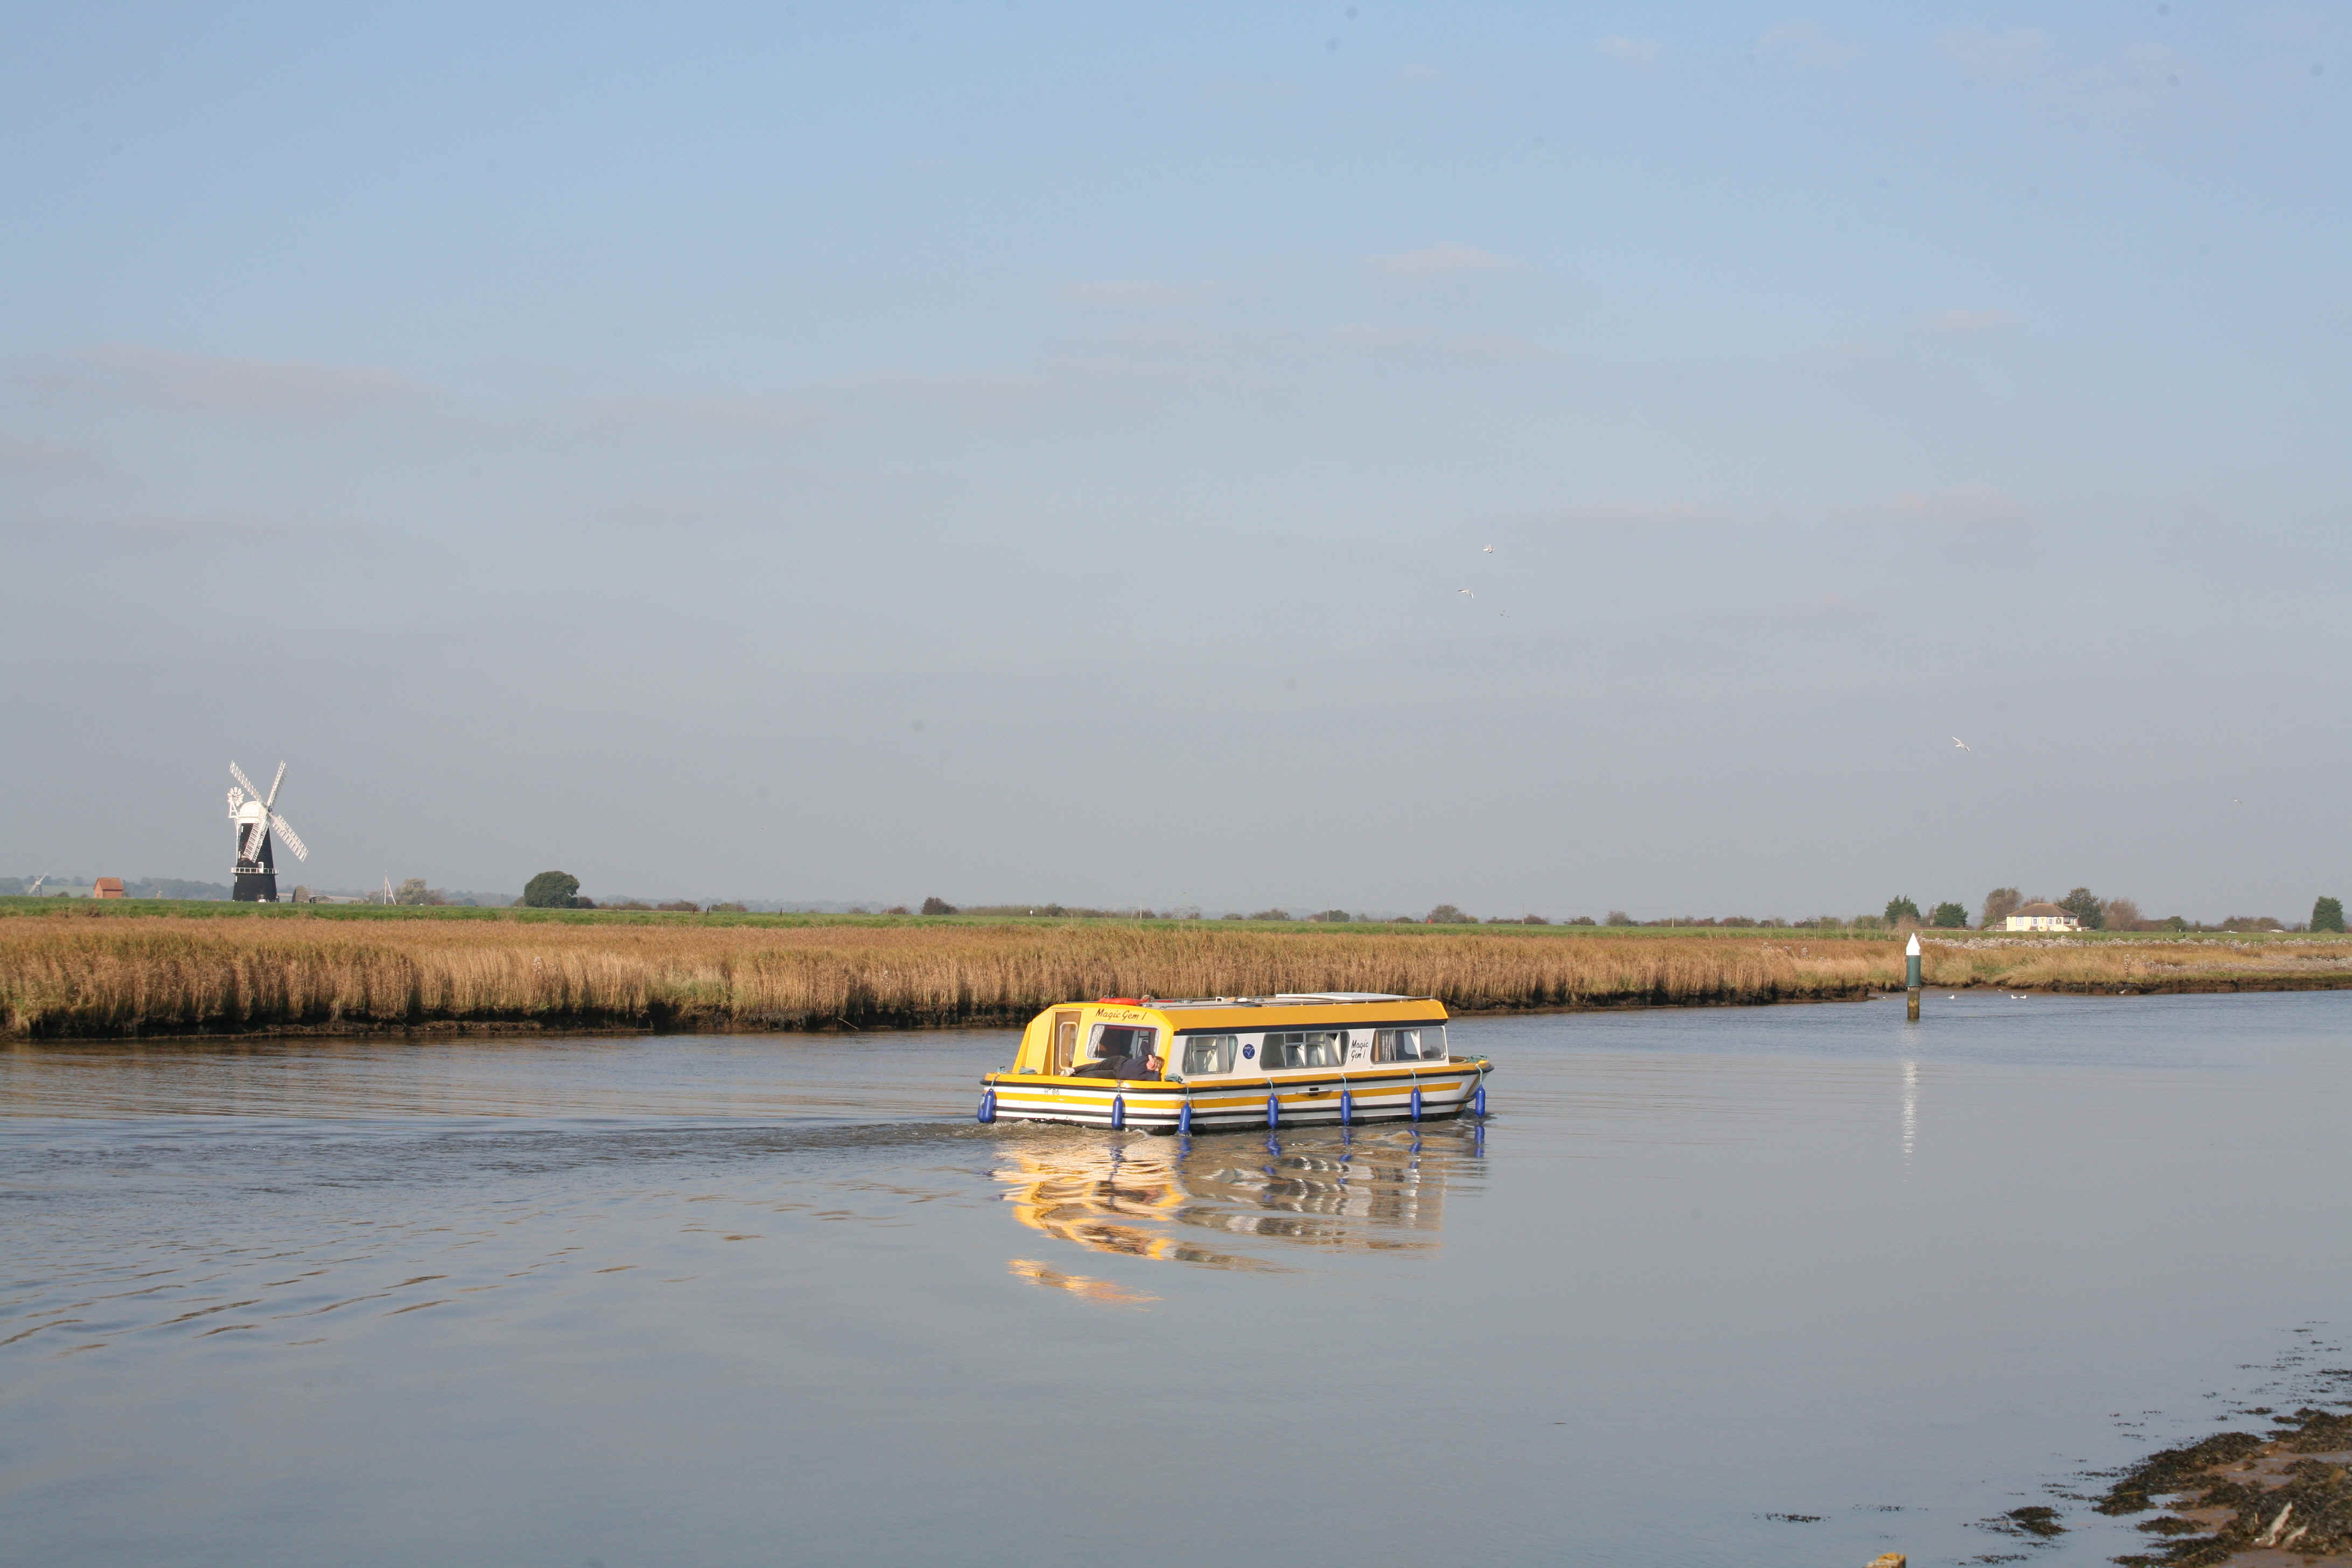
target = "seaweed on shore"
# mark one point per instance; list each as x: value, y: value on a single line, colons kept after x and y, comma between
x: 2037, y: 1522
x: 2175, y: 1470
x: 2305, y: 1506
x: 2313, y: 1431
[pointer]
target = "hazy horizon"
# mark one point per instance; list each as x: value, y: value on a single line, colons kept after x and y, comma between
x: 1005, y: 451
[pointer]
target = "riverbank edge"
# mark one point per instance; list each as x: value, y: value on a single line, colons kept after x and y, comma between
x: 600, y: 1023
x: 2231, y: 1499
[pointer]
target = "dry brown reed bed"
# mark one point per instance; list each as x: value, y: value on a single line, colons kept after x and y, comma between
x: 2142, y: 964
x: 178, y: 975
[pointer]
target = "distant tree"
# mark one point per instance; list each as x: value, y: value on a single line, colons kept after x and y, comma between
x: 1270, y: 915
x: 1998, y: 905
x: 2175, y: 923
x: 2119, y: 914
x: 1739, y: 921
x: 1617, y: 918
x: 1448, y: 915
x: 415, y: 893
x: 2084, y: 905
x: 1949, y: 917
x: 689, y: 907
x: 550, y: 890
x: 1582, y: 920
x: 1331, y: 916
x: 736, y: 909
x: 1899, y: 909
x: 2327, y: 914
x: 938, y: 907
x: 1868, y: 922
x: 1533, y: 921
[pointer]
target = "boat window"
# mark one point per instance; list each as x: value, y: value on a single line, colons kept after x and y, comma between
x: 1120, y: 1040
x: 1305, y: 1048
x: 1209, y: 1053
x: 1424, y: 1044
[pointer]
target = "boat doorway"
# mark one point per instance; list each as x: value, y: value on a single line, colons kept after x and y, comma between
x: 1065, y: 1043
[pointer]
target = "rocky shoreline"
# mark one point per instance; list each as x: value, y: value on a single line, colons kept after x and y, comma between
x: 2241, y: 1498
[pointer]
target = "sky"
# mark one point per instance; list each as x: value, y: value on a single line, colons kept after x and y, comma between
x: 1540, y: 458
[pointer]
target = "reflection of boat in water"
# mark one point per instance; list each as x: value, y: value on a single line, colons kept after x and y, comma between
x: 1231, y: 1062
x: 1189, y: 1202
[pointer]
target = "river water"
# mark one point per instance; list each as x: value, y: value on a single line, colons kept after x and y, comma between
x: 1783, y: 1285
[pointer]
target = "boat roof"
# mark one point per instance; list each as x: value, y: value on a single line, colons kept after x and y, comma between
x: 1280, y: 999
x: 1285, y: 1009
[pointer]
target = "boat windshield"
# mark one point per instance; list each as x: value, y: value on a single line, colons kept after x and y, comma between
x: 1423, y: 1043
x: 1118, y: 1041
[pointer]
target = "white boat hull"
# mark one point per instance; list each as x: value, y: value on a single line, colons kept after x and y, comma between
x: 1318, y: 1097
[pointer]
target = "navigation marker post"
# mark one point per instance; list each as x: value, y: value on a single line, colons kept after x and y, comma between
x: 1911, y: 979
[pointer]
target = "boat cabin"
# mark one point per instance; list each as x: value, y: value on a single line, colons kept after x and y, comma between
x: 1232, y: 1037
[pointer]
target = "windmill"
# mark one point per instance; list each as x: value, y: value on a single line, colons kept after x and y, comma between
x: 256, y: 814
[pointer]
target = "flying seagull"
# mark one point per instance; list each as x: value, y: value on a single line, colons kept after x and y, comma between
x: 1490, y: 550
x: 1962, y: 745
x: 1465, y: 591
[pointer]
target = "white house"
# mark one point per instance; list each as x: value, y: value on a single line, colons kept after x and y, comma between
x: 2043, y: 916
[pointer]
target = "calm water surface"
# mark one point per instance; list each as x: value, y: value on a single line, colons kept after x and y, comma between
x: 776, y: 1299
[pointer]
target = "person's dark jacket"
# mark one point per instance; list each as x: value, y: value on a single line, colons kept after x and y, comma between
x: 1117, y: 1067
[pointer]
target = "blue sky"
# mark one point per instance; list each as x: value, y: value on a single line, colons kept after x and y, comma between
x: 1028, y: 451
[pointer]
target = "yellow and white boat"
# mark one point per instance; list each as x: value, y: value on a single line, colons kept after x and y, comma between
x: 1233, y: 1062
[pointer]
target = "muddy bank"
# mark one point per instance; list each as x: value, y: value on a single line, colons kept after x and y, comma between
x: 2239, y: 1498
x: 2179, y: 986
